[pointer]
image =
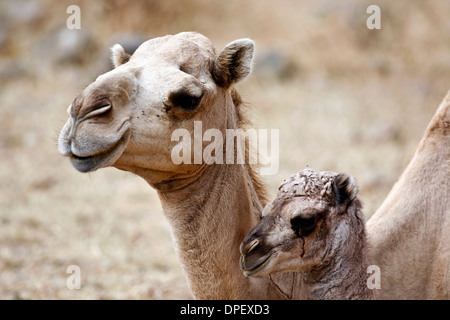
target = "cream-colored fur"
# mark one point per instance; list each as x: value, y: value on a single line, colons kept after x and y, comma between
x: 410, y: 233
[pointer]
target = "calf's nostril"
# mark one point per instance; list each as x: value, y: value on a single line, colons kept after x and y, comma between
x: 251, y: 246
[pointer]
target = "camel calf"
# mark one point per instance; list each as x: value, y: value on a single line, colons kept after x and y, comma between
x: 314, y: 226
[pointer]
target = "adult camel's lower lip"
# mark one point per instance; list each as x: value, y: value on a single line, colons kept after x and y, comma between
x: 99, y: 160
x: 86, y: 164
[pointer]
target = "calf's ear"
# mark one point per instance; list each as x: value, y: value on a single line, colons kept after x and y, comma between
x: 345, y: 188
x: 233, y: 63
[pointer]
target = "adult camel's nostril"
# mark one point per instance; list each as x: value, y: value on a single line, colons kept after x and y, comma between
x: 97, y: 111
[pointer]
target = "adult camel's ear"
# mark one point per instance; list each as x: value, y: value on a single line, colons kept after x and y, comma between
x: 233, y: 63
x: 119, y: 56
x: 345, y: 188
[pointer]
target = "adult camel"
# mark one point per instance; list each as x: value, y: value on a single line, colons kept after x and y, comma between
x: 126, y: 119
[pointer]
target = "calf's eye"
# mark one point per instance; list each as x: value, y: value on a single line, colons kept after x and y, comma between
x: 303, y: 226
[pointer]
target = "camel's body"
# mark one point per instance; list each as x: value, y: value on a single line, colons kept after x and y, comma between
x: 410, y: 232
x: 314, y: 226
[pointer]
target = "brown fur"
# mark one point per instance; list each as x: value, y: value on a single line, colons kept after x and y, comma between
x: 244, y: 122
x: 313, y: 226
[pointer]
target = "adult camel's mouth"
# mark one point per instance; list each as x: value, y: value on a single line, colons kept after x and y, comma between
x: 103, y: 158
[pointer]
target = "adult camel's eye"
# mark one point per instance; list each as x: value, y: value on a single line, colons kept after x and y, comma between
x: 185, y: 99
x: 303, y: 226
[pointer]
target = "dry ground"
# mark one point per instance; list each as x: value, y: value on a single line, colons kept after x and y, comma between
x: 345, y: 98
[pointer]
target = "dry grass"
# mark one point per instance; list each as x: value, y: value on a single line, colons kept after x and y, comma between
x: 347, y: 99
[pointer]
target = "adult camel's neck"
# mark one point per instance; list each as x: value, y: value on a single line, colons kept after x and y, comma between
x: 209, y: 218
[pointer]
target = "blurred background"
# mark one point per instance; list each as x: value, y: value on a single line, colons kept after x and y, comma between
x: 345, y: 98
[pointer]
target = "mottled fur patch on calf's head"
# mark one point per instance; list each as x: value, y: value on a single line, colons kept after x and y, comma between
x: 329, y: 186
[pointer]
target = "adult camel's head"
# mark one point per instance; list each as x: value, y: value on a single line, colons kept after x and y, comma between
x: 126, y: 117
